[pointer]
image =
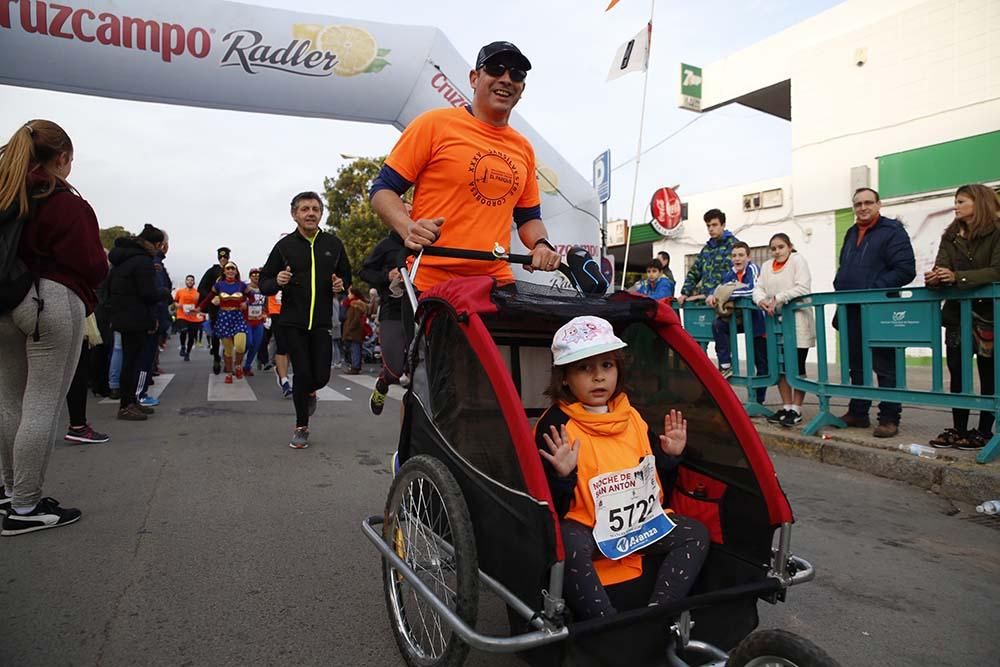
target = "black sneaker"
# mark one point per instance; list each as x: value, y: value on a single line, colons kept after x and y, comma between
x: 86, y: 434
x: 778, y: 416
x: 377, y: 400
x: 47, y: 514
x: 792, y: 418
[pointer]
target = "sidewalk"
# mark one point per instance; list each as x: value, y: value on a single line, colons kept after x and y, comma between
x: 953, y: 473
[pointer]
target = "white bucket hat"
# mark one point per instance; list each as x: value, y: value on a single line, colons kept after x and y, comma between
x: 583, y: 337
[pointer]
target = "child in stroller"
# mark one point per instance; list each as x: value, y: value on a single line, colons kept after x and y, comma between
x: 610, y: 509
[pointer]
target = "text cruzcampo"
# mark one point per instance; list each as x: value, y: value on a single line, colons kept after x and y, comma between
x: 65, y: 22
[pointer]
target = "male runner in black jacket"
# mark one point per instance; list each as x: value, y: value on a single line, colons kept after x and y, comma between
x: 308, y: 266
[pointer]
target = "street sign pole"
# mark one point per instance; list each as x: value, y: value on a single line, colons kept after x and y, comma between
x: 602, y: 184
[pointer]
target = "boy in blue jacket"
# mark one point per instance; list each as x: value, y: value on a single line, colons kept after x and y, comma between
x: 743, y: 275
x: 656, y: 285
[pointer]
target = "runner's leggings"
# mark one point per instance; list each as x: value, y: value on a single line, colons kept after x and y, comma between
x: 76, y: 397
x: 684, y: 550
x: 189, y: 334
x: 309, y: 352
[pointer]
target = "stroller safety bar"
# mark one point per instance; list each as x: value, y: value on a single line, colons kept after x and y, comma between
x: 469, y: 635
x: 804, y: 571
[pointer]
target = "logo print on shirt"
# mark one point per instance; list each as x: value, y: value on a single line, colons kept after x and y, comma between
x: 495, y: 177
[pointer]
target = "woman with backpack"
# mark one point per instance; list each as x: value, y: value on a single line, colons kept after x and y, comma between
x: 51, y: 262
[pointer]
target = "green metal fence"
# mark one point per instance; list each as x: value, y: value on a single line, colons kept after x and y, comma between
x: 698, y: 320
x: 896, y: 319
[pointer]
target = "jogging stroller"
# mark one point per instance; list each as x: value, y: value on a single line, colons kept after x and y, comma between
x: 470, y: 507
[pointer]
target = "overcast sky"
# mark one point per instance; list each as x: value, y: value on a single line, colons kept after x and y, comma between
x: 215, y: 178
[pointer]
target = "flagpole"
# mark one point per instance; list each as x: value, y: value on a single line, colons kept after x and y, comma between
x: 638, y: 151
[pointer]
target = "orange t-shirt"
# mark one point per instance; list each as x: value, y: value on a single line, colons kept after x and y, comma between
x: 187, y: 297
x: 473, y: 175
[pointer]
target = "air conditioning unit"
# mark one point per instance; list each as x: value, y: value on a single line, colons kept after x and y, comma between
x: 772, y: 198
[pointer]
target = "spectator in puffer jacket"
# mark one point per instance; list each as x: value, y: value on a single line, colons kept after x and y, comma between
x: 712, y: 262
x: 877, y: 254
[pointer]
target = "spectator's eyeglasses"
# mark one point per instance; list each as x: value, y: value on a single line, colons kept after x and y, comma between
x: 496, y: 70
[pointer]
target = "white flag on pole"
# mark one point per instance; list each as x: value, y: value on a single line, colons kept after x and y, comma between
x: 633, y: 55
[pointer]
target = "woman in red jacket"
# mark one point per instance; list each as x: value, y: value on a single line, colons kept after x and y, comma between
x: 60, y: 246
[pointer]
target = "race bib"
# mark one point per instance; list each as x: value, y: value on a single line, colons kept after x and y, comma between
x: 627, y: 510
x: 255, y: 311
x: 188, y: 307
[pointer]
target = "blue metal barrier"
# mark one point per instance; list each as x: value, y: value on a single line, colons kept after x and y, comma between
x: 698, y: 320
x: 895, y: 319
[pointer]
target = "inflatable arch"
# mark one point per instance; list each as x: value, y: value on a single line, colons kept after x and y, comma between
x: 228, y: 55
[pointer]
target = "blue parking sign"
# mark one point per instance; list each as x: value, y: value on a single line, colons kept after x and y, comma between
x: 602, y: 176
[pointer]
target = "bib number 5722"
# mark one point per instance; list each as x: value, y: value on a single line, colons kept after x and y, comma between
x: 636, y: 512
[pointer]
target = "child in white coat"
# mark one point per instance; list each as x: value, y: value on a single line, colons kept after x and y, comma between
x: 781, y: 279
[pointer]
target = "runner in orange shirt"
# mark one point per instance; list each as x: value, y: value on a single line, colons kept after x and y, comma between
x: 280, y: 354
x: 473, y: 174
x: 188, y: 316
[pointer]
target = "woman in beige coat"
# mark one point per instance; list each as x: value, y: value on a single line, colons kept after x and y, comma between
x: 783, y: 278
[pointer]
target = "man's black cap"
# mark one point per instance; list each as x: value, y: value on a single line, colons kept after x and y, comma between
x: 224, y: 251
x: 497, y: 48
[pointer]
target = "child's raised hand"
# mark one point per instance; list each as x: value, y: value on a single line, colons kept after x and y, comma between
x: 675, y: 433
x: 562, y: 455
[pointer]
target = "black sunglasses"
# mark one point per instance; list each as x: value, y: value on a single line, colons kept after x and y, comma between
x: 496, y: 70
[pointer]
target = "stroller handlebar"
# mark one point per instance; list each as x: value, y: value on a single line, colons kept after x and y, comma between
x: 498, y: 254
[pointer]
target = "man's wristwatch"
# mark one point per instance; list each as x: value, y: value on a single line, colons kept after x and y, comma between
x: 544, y: 241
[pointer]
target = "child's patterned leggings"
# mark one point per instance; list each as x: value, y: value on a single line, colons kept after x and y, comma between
x: 684, y: 547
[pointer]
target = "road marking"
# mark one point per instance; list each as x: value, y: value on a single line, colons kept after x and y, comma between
x: 154, y: 390
x: 368, y: 381
x: 328, y: 394
x: 239, y: 390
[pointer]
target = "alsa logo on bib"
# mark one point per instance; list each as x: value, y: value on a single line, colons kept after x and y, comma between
x: 627, y: 543
x: 65, y: 22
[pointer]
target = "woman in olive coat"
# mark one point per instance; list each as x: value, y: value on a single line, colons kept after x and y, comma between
x: 969, y: 257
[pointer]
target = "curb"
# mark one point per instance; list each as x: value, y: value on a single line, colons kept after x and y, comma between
x: 949, y: 477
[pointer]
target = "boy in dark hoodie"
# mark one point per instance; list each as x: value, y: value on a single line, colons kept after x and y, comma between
x: 133, y: 297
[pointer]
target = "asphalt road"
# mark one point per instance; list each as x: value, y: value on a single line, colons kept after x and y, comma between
x: 205, y: 540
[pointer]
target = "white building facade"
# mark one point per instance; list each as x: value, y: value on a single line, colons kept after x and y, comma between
x: 899, y: 95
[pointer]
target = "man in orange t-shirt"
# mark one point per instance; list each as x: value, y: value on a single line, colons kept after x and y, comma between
x: 188, y: 316
x: 474, y: 175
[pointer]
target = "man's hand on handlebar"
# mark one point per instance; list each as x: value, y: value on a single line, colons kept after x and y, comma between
x: 423, y: 232
x: 544, y: 258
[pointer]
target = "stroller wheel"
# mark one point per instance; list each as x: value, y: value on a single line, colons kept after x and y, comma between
x: 778, y: 648
x: 427, y: 523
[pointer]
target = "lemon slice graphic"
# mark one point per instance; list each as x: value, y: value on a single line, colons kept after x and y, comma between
x: 548, y: 180
x: 306, y: 31
x: 356, y: 48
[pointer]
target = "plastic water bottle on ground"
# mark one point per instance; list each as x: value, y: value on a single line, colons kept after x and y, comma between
x: 989, y: 507
x: 923, y: 451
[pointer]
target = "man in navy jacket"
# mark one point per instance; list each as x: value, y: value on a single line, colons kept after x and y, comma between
x: 877, y: 254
